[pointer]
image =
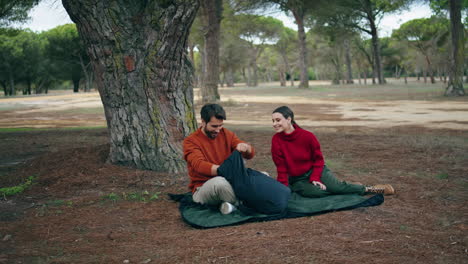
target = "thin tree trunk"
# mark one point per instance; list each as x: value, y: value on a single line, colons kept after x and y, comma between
x: 211, y: 10
x: 349, y: 76
x: 230, y: 77
x: 303, y: 64
x: 365, y: 77
x: 143, y: 75
x: 282, y: 76
x: 376, y: 49
x: 455, y: 85
x: 203, y: 67
x: 86, y: 74
x: 12, y: 90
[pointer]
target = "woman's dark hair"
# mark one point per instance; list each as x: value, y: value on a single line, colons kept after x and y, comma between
x: 210, y: 110
x: 286, y: 112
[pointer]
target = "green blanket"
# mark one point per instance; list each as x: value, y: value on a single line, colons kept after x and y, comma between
x: 202, y: 216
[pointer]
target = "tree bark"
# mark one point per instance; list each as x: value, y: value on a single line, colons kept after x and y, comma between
x: 349, y: 76
x: 137, y: 50
x: 282, y: 75
x: 211, y: 15
x: 303, y: 63
x: 12, y: 90
x: 455, y: 84
x: 375, y: 47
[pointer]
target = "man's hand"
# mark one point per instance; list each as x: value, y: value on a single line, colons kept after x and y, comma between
x: 244, y: 147
x: 214, y: 170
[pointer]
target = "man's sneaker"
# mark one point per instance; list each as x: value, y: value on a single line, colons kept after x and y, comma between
x: 227, y: 208
x: 386, y: 189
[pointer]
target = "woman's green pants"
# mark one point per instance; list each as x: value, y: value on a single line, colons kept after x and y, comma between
x: 304, y: 187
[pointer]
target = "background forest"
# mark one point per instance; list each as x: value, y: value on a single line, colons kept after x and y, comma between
x: 254, y: 47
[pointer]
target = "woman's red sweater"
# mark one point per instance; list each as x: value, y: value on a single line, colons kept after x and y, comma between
x: 296, y: 153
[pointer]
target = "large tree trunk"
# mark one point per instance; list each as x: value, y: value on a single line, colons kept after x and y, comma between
x: 211, y: 10
x: 137, y: 49
x: 455, y: 85
x: 303, y: 64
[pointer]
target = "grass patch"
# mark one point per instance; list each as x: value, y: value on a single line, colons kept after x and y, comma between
x: 9, y: 191
x: 442, y: 176
x: 404, y: 228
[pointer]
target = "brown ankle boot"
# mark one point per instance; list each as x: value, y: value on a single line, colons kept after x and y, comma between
x: 386, y: 189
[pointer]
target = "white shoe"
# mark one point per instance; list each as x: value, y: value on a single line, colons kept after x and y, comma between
x: 227, y: 208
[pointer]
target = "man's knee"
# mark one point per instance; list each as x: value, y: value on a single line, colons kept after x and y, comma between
x: 215, y: 190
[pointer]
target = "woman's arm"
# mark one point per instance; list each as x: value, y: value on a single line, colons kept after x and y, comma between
x: 278, y: 159
x: 317, y: 160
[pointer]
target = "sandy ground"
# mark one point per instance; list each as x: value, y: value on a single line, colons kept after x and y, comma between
x: 32, y: 111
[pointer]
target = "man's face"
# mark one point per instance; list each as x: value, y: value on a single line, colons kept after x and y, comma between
x: 212, y: 128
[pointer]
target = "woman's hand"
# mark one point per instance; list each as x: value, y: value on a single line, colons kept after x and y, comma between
x: 320, y: 185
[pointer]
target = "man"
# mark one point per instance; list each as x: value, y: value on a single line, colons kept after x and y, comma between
x: 204, y: 151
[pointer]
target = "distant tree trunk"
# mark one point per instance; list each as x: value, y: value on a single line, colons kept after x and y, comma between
x: 211, y: 15
x: 282, y: 76
x: 455, y: 85
x: 138, y: 52
x: 303, y: 64
x: 349, y: 76
x: 12, y: 90
x: 375, y: 47
x: 87, y: 75
x: 245, y: 76
x: 337, y: 76
x: 202, y: 68
x: 27, y: 89
x: 223, y: 79
x: 430, y: 71
x: 291, y: 75
x: 255, y: 74
x: 230, y: 77
x: 287, y: 69
x: 4, y: 86
x: 76, y: 85
x: 365, y: 77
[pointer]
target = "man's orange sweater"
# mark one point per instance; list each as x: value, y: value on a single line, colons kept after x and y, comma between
x: 201, y: 152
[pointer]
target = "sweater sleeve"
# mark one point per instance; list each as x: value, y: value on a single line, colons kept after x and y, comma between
x: 278, y: 159
x: 194, y: 156
x: 317, y: 160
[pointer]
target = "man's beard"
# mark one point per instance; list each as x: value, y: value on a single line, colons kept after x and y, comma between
x: 210, y: 134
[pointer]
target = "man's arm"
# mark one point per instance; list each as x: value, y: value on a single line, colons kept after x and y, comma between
x: 195, y: 158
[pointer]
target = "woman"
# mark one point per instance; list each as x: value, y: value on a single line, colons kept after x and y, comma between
x: 299, y: 161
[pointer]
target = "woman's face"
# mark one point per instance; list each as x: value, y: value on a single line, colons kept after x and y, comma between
x: 280, y: 123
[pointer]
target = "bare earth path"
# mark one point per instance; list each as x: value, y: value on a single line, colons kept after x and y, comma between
x: 84, y: 210
x: 68, y: 111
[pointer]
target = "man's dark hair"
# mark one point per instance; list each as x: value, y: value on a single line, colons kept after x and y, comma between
x: 286, y: 112
x: 210, y: 110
